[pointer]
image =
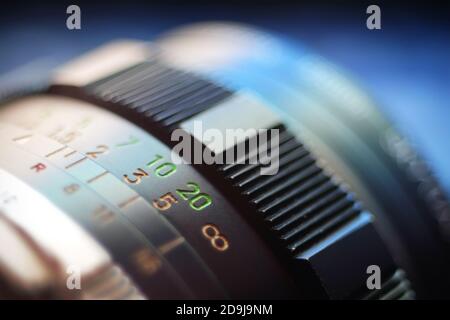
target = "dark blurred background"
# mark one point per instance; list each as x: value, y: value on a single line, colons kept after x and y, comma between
x: 405, y: 65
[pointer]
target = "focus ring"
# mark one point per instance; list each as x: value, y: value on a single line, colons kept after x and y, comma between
x: 301, y: 203
x: 303, y: 207
x: 160, y: 93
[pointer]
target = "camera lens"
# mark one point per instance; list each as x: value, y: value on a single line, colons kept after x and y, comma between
x: 217, y: 162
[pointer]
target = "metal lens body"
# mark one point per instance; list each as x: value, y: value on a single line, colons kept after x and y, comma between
x: 97, y: 200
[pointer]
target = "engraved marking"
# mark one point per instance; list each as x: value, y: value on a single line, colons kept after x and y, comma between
x: 97, y: 177
x: 22, y: 139
x: 75, y: 163
x: 139, y: 173
x: 132, y: 140
x: 127, y: 202
x: 55, y: 152
x: 103, y: 214
x: 146, y: 261
x: 70, y: 153
x: 71, y: 188
x: 169, y: 246
x: 38, y: 167
x: 101, y: 149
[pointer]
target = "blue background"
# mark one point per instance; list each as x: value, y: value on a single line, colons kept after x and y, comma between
x: 405, y: 66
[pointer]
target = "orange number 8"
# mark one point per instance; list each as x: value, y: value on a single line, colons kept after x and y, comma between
x: 218, y: 241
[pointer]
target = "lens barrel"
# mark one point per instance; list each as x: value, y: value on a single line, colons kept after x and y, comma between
x: 336, y: 191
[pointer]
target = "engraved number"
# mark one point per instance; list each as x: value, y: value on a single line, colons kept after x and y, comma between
x: 217, y: 240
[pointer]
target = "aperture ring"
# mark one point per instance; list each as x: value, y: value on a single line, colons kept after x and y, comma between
x: 89, y: 210
x: 160, y: 93
x: 165, y: 239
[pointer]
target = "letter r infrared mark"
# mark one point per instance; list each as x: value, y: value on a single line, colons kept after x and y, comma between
x: 38, y: 167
